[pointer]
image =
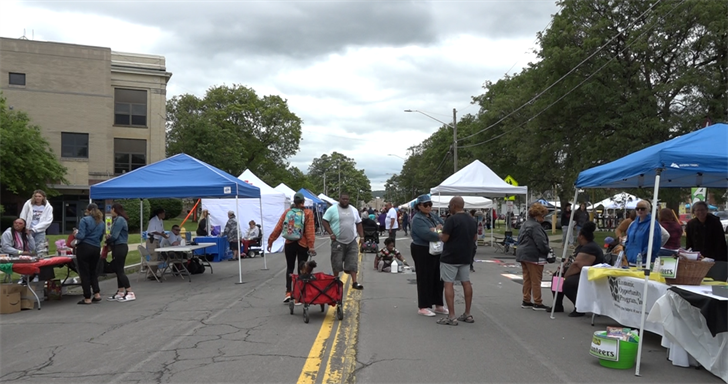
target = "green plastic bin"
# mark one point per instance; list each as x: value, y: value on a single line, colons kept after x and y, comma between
x: 627, y: 353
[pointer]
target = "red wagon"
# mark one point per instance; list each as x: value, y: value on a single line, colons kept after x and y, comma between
x: 317, y: 289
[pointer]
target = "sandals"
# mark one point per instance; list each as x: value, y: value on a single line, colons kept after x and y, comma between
x: 82, y: 302
x: 447, y: 321
x: 466, y: 318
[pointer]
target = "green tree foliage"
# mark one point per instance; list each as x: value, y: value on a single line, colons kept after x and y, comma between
x: 233, y: 129
x: 26, y: 158
x: 131, y: 206
x: 339, y: 167
x: 172, y: 207
x: 613, y: 77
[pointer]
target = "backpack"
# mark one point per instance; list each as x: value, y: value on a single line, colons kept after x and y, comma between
x: 293, y: 224
x: 195, y: 266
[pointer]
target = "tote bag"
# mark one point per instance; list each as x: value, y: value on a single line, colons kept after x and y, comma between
x: 436, y: 247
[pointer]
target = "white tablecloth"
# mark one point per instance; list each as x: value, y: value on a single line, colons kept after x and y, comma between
x: 684, y: 328
x: 619, y: 298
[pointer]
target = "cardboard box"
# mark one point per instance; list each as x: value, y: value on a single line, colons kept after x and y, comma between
x: 8, y: 288
x: 27, y: 303
x: 10, y: 303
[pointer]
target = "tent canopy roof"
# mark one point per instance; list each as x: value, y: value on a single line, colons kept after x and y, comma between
x: 698, y: 158
x: 250, y: 178
x: 477, y: 179
x: 179, y: 176
x: 327, y: 199
x: 309, y: 195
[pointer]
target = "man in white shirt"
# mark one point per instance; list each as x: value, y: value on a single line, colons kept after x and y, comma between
x: 343, y: 223
x: 173, y: 239
x: 391, y: 224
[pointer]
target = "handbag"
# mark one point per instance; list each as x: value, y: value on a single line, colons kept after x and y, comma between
x: 557, y: 283
x: 436, y: 247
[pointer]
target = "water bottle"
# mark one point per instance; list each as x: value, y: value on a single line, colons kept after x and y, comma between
x: 400, y: 269
x: 639, y: 261
x: 394, y: 268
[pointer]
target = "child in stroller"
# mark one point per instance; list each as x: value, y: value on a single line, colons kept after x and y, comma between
x: 370, y: 244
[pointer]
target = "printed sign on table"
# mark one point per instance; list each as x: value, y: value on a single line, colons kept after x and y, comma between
x: 668, y: 267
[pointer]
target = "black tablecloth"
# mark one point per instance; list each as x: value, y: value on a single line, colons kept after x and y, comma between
x: 714, y: 311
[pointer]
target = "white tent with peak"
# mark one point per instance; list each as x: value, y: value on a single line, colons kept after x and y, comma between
x: 619, y: 201
x: 327, y: 199
x: 477, y: 179
x: 265, y: 211
x: 290, y: 192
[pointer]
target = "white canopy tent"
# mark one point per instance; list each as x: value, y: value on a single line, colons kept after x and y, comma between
x: 266, y: 211
x: 327, y: 199
x: 478, y: 180
x: 290, y: 192
x: 471, y: 202
x: 622, y: 200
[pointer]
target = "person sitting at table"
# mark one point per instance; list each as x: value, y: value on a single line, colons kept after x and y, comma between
x: 173, y: 239
x: 587, y: 253
x: 705, y: 233
x: 250, y: 236
x: 231, y: 231
x: 16, y: 241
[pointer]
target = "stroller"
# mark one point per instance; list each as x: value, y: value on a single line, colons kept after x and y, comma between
x: 317, y: 288
x: 507, y: 243
x: 370, y: 244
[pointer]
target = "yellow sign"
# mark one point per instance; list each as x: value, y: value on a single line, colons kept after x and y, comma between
x: 513, y: 182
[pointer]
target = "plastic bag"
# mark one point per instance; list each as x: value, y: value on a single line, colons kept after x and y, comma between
x: 436, y: 247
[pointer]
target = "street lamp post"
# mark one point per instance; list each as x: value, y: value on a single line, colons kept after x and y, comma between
x: 454, y: 127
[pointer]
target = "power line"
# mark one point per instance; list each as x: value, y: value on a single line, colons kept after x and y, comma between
x: 562, y: 77
x: 443, y: 161
x: 580, y: 84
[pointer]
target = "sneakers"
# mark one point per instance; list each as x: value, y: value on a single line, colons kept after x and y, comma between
x: 288, y: 298
x: 116, y: 296
x: 129, y: 296
x: 526, y: 305
x: 357, y: 286
x: 425, y: 312
x: 541, y: 307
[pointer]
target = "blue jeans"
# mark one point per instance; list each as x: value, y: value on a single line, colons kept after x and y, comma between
x: 40, y: 241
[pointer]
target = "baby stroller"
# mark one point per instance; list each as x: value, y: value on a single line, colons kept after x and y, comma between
x: 317, y: 288
x: 507, y: 243
x: 370, y: 244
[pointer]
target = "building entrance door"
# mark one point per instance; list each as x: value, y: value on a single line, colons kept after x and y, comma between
x: 72, y: 215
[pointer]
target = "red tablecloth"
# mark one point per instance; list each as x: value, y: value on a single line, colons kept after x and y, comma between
x: 32, y: 268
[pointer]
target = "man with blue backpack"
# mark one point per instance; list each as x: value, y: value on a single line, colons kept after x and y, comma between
x: 296, y: 225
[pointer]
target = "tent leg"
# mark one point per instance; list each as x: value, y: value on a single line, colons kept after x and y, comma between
x: 141, y: 221
x: 566, y: 248
x: 240, y: 262
x: 647, y: 271
x: 262, y: 227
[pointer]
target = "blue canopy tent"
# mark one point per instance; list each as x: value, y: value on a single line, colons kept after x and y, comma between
x: 696, y: 159
x: 179, y: 176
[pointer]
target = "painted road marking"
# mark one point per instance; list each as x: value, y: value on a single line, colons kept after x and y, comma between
x: 341, y: 359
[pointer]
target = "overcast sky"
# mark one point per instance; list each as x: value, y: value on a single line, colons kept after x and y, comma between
x: 348, y: 68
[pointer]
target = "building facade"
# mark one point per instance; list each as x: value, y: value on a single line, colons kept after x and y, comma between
x: 103, y: 113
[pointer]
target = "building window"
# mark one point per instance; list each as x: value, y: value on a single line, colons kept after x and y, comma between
x: 129, y: 154
x: 130, y: 107
x: 74, y: 145
x: 16, y: 78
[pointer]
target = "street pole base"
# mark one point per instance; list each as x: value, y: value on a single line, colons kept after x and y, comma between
x: 264, y: 269
x: 241, y: 282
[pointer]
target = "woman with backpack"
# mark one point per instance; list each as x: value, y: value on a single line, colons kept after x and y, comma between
x: 297, y: 226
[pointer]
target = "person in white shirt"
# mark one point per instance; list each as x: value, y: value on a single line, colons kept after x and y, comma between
x: 155, y: 232
x: 173, y: 239
x: 250, y: 236
x: 391, y: 224
x: 38, y: 214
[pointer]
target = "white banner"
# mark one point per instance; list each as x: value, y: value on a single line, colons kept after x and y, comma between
x: 619, y: 298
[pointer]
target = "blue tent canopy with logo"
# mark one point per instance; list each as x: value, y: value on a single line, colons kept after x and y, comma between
x: 179, y: 176
x: 696, y: 159
x: 309, y: 195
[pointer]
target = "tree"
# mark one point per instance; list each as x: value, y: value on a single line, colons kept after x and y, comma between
x: 341, y: 175
x: 26, y: 158
x: 233, y: 129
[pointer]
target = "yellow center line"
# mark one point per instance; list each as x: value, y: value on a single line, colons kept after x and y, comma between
x: 312, y: 366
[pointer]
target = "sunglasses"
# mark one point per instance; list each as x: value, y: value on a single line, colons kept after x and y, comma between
x: 641, y: 208
x: 428, y: 204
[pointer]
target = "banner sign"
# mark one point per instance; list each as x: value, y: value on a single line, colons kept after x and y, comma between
x: 604, y: 348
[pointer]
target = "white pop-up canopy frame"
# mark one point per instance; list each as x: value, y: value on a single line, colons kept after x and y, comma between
x: 476, y: 179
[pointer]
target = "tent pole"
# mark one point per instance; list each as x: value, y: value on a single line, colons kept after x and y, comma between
x: 563, y: 253
x: 141, y: 221
x: 237, y: 217
x: 647, y: 270
x: 262, y: 226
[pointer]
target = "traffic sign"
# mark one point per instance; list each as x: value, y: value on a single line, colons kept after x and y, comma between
x: 513, y: 182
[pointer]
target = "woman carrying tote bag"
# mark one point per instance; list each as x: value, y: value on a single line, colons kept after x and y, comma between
x: 427, y: 266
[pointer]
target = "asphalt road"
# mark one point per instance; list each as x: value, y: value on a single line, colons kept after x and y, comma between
x: 215, y: 331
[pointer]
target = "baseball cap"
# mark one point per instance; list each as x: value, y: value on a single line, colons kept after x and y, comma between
x: 423, y: 199
x: 298, y: 198
x: 608, y: 241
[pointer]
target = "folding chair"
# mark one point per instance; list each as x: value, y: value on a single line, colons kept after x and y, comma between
x: 176, y: 264
x: 147, y: 263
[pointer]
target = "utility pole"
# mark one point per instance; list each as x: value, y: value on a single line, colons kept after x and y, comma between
x: 338, y: 165
x: 325, y: 184
x: 454, y: 140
